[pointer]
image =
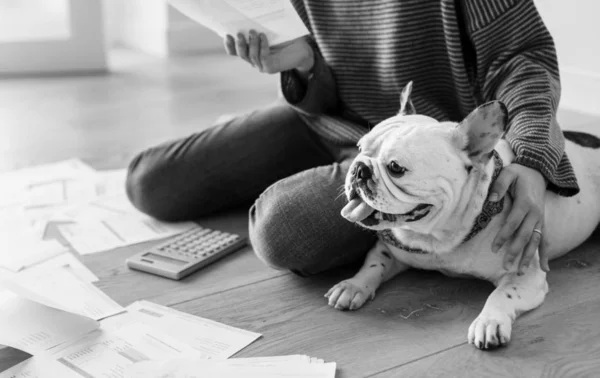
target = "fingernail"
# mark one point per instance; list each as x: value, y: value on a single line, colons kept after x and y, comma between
x: 493, y: 197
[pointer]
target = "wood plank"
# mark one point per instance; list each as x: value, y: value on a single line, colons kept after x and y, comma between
x: 558, y: 338
x: 558, y: 344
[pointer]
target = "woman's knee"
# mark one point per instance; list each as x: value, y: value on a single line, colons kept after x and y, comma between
x: 291, y: 228
x: 269, y: 233
x: 145, y: 185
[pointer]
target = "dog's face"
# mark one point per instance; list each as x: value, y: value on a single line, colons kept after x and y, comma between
x: 412, y: 170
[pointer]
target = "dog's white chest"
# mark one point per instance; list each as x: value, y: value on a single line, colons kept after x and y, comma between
x: 466, y: 261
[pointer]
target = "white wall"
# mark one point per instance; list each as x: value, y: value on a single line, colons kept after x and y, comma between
x: 154, y: 27
x: 575, y: 27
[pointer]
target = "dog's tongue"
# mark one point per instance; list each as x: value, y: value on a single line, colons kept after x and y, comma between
x: 356, y: 210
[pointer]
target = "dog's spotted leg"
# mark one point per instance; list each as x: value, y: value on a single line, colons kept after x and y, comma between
x: 514, y: 295
x: 379, y: 266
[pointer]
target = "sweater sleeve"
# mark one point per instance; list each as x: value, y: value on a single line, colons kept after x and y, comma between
x: 517, y: 64
x: 318, y: 94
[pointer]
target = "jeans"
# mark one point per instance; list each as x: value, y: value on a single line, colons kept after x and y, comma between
x: 269, y: 156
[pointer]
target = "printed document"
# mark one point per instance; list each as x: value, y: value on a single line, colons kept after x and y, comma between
x: 19, y: 252
x: 277, y: 19
x: 194, y: 368
x: 62, y: 288
x: 34, y: 328
x: 107, y: 354
x: 211, y: 339
x: 39, y: 367
x: 92, y: 236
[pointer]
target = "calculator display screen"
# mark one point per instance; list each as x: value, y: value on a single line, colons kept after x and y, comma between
x: 164, y: 259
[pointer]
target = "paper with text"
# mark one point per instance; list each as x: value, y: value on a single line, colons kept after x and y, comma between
x: 62, y: 288
x: 277, y: 19
x: 35, y: 328
x: 210, y: 338
x: 18, y: 253
x: 108, y: 354
x: 102, y: 235
x: 39, y: 367
x: 189, y: 368
x: 63, y: 261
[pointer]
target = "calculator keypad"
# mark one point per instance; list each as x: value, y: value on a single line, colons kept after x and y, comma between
x: 198, y: 243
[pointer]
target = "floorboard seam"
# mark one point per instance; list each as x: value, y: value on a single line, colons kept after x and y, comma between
x: 226, y: 290
x: 417, y: 359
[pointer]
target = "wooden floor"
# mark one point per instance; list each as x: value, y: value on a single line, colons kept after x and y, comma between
x: 417, y: 324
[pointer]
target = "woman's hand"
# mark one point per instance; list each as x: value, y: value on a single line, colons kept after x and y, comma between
x: 528, y: 188
x: 296, y: 54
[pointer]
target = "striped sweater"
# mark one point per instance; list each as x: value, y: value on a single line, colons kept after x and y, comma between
x: 458, y: 53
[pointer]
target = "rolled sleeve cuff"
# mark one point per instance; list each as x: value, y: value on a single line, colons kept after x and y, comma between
x: 317, y: 95
x: 561, y: 183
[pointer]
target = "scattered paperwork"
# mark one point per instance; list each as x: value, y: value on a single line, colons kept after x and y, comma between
x: 50, y: 308
x: 95, y: 204
x: 278, y: 20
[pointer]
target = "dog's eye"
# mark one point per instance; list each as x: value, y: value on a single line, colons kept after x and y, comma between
x: 396, y: 169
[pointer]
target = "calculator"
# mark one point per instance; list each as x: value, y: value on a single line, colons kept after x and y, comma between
x: 186, y: 253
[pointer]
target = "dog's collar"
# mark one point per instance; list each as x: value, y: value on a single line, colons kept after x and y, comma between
x: 489, y: 210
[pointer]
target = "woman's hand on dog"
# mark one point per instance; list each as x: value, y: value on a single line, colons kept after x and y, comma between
x: 528, y: 189
x: 296, y: 54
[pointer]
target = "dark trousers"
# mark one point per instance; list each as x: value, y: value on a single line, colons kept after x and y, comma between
x: 269, y: 156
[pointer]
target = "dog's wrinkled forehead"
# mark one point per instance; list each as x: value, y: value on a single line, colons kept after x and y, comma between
x: 394, y: 128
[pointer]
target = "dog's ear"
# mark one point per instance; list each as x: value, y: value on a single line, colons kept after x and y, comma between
x: 483, y: 128
x: 406, y: 105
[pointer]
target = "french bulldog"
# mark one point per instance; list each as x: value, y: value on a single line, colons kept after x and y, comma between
x: 423, y: 186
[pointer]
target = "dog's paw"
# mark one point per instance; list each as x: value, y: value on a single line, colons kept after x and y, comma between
x: 349, y: 295
x: 490, y: 330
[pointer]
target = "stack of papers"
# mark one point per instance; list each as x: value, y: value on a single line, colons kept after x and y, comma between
x: 295, y: 366
x: 93, y: 202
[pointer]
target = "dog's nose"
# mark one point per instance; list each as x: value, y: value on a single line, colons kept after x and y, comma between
x: 362, y: 171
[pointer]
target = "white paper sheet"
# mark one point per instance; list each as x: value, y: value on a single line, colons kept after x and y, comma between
x: 105, y: 207
x: 62, y: 288
x: 17, y: 253
x: 111, y: 182
x: 212, y: 339
x: 35, y: 328
x: 188, y: 368
x: 64, y: 261
x: 108, y: 354
x: 102, y: 235
x: 39, y: 367
x: 59, y: 192
x: 277, y: 19
x: 36, y: 193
